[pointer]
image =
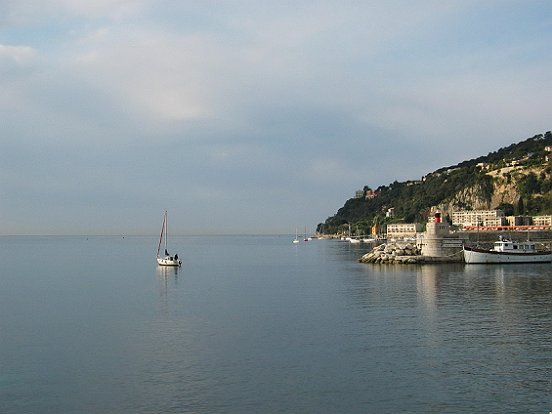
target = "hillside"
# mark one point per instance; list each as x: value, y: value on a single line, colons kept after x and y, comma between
x: 517, y: 179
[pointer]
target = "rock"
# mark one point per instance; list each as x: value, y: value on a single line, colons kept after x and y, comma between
x: 401, y: 253
x: 396, y: 252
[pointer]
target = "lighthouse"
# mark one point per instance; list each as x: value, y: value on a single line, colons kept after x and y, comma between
x: 438, y: 242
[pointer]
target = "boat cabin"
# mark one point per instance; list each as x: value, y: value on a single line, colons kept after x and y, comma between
x: 504, y: 245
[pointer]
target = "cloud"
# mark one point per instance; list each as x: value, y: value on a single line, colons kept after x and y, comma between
x: 255, y: 112
x: 490, y: 103
x: 154, y: 74
x: 114, y: 9
x: 16, y: 57
x: 31, y: 12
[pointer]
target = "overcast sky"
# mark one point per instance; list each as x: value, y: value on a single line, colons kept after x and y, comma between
x: 251, y: 116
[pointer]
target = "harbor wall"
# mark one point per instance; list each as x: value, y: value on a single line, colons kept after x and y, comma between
x: 544, y: 236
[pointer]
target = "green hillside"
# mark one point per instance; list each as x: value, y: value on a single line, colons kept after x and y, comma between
x: 516, y: 178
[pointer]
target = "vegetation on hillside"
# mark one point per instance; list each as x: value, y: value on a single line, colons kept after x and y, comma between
x: 526, y: 166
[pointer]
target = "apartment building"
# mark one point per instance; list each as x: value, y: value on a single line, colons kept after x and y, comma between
x: 478, y: 218
x: 542, y: 220
x: 403, y: 230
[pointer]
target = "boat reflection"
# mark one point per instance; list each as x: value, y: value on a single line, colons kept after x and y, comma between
x: 167, y: 280
x: 167, y: 271
x: 495, y: 283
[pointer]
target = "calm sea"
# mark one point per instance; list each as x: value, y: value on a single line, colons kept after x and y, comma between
x: 259, y: 325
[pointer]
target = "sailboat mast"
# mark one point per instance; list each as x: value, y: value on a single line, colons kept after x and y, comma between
x: 162, y: 231
x: 166, y: 230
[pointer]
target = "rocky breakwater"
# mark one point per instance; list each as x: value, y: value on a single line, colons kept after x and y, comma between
x: 396, y: 252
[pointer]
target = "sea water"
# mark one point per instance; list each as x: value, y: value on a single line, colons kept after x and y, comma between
x: 256, y: 324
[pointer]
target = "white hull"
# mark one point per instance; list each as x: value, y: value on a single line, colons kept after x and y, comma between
x: 167, y: 261
x: 480, y: 256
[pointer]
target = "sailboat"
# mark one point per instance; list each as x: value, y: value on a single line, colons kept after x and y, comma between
x: 166, y: 259
x: 307, y: 238
x: 296, y: 240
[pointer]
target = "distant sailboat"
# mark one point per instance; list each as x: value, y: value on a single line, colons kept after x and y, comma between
x: 166, y: 259
x: 307, y: 238
x: 296, y: 240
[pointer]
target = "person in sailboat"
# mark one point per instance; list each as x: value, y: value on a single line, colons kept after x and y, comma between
x: 176, y: 256
x: 166, y: 252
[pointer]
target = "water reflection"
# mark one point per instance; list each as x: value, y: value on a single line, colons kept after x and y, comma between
x: 167, y: 279
x: 167, y: 270
x: 524, y: 282
x: 484, y: 281
x: 434, y: 286
x: 427, y: 281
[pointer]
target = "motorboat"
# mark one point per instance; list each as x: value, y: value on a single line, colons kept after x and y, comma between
x: 507, y: 251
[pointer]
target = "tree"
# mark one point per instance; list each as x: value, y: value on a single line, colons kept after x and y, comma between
x: 507, y: 208
x: 529, y: 185
x: 520, y: 207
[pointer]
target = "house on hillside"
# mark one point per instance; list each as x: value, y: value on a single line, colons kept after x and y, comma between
x: 401, y: 231
x: 542, y: 221
x: 478, y: 218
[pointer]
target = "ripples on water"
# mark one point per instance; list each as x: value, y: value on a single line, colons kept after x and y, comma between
x: 256, y: 324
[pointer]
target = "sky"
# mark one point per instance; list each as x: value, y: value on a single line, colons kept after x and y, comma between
x: 251, y: 117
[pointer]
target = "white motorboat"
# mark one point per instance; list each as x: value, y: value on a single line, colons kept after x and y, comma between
x: 166, y: 259
x: 507, y: 251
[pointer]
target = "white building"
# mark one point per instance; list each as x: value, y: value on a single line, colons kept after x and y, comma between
x: 478, y: 218
x: 403, y: 230
x: 542, y: 220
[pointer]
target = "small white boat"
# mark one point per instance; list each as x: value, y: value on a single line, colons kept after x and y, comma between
x: 166, y: 259
x: 507, y: 251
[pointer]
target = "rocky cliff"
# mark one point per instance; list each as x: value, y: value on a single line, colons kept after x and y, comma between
x: 505, y: 188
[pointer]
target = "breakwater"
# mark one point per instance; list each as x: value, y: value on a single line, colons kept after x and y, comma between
x: 396, y: 252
